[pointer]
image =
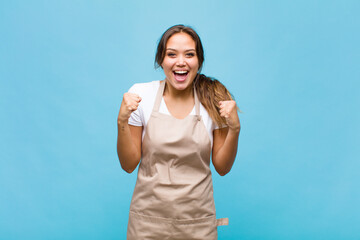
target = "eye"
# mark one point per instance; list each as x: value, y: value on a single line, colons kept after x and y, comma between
x: 171, y: 54
x: 190, y: 54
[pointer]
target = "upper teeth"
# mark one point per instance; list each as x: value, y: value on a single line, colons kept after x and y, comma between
x: 180, y: 72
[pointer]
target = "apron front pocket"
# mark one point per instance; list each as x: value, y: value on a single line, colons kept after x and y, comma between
x: 146, y: 227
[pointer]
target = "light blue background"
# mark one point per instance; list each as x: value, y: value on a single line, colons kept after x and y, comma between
x: 293, y: 67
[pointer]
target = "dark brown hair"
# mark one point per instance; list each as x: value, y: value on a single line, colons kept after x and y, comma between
x: 209, y: 90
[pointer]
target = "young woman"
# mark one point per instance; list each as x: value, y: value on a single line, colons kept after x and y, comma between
x: 174, y: 126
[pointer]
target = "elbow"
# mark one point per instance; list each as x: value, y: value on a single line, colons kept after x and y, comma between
x: 221, y: 168
x: 223, y: 172
x: 128, y: 166
x: 128, y: 170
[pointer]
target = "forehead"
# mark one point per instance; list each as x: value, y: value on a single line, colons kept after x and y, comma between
x: 181, y: 41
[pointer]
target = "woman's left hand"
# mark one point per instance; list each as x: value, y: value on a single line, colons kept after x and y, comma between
x: 228, y: 110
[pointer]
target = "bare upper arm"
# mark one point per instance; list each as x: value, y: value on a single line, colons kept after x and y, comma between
x: 136, y: 135
x: 219, y: 136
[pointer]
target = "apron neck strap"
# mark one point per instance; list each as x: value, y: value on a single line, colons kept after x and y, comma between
x: 160, y: 93
x: 197, y: 103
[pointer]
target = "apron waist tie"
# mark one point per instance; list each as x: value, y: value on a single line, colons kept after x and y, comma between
x: 222, y: 221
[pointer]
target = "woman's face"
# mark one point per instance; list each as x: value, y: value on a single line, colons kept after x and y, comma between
x: 180, y: 63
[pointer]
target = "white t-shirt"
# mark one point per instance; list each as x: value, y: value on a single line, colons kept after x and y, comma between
x: 147, y: 92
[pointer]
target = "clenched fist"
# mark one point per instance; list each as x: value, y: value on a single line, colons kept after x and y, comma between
x: 129, y: 104
x: 228, y: 110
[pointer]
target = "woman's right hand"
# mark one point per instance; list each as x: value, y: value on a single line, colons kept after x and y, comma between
x: 129, y: 104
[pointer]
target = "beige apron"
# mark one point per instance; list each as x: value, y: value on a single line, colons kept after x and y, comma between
x: 173, y: 196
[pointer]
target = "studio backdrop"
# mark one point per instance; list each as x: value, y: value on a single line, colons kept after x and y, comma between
x: 292, y: 66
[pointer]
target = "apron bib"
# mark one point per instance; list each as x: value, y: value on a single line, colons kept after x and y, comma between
x: 173, y: 196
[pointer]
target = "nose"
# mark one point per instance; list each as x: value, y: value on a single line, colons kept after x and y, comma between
x: 180, y: 61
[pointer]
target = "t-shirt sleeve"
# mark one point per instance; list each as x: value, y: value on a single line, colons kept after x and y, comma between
x: 221, y: 126
x: 137, y: 116
x: 215, y: 126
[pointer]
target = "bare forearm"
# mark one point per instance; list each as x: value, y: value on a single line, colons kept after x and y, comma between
x: 128, y: 152
x: 225, y: 156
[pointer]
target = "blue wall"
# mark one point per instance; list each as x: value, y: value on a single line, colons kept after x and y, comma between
x: 293, y: 67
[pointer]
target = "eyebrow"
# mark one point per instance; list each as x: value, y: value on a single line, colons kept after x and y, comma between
x: 176, y: 50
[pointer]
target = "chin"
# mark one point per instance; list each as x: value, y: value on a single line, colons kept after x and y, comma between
x: 180, y: 85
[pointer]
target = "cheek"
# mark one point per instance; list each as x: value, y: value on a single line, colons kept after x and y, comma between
x: 167, y: 64
x: 167, y: 68
x: 194, y: 65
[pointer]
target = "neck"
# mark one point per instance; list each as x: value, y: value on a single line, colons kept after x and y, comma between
x: 178, y: 94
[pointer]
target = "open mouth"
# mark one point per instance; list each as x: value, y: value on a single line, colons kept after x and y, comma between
x: 180, y: 75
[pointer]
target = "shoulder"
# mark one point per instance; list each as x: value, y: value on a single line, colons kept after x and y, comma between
x: 144, y: 88
x: 209, y: 122
x: 147, y: 91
